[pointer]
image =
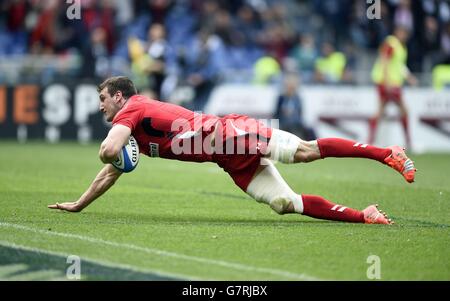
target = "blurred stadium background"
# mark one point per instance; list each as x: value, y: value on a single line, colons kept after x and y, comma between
x: 221, y: 57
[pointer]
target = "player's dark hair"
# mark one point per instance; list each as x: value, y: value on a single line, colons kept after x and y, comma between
x: 118, y: 83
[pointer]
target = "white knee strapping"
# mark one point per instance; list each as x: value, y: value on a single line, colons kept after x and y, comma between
x: 283, y: 146
x: 270, y: 188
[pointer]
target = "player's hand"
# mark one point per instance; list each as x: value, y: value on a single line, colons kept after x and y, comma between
x: 70, y: 206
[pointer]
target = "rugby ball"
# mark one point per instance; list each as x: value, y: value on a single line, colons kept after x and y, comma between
x: 128, y: 157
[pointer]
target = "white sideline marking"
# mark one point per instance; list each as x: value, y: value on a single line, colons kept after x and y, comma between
x: 222, y: 263
x: 96, y: 261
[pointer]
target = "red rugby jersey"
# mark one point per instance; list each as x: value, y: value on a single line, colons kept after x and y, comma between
x: 166, y: 130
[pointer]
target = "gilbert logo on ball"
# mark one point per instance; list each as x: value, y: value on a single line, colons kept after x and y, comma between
x: 128, y: 157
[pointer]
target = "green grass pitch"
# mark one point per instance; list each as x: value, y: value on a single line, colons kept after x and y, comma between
x: 177, y: 220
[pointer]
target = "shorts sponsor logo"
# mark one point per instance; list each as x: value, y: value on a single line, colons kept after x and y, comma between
x: 154, y: 149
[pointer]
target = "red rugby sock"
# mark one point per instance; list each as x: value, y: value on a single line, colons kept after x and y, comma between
x: 337, y: 147
x: 318, y: 207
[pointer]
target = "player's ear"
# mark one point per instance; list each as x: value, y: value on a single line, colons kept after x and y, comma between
x: 118, y: 96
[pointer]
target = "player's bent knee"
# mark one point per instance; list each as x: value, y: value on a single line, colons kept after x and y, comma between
x: 269, y: 187
x: 307, y: 152
x: 282, y: 205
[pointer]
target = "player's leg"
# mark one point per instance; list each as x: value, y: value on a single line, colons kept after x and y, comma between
x: 288, y: 148
x: 404, y: 120
x: 268, y: 187
x: 373, y: 122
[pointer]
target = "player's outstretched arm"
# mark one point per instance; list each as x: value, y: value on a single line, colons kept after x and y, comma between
x: 117, y: 137
x: 102, y: 182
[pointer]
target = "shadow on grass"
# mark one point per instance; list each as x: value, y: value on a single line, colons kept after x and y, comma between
x: 149, y: 217
x: 152, y: 218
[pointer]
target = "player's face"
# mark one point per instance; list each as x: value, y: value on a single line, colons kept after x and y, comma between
x: 109, y: 104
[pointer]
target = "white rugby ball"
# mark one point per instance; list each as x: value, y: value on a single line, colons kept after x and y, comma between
x: 128, y: 157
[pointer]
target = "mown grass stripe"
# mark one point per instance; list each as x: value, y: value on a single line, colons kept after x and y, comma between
x: 153, y: 251
x: 57, y: 260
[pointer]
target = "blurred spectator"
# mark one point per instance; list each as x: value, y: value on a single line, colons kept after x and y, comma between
x: 43, y: 35
x: 157, y: 49
x: 140, y: 64
x: 444, y: 11
x: 159, y: 9
x: 207, y: 12
x: 379, y: 29
x: 359, y: 25
x: 156, y: 9
x: 13, y: 36
x: 445, y: 44
x: 351, y: 67
x: 124, y: 13
x: 335, y: 16
x: 248, y: 25
x: 277, y: 41
x: 429, y: 7
x: 244, y: 29
x: 330, y: 67
x: 96, y: 55
x: 16, y: 14
x: 53, y: 31
x: 441, y: 77
x: 289, y: 110
x: 203, y: 65
x: 97, y: 14
x: 403, y: 16
x: 225, y: 30
x: 305, y: 54
x: 266, y: 70
x: 430, y: 34
x: 389, y: 74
